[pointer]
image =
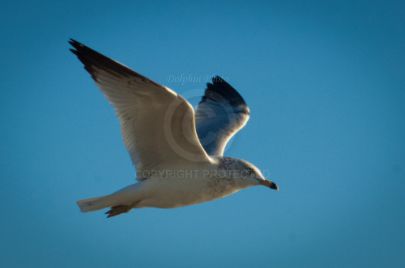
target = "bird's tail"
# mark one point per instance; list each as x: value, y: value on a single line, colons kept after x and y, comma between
x: 95, y: 203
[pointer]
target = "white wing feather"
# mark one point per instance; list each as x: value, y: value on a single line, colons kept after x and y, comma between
x: 158, y: 125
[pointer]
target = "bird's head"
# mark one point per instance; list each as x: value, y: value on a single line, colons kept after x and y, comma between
x: 246, y: 172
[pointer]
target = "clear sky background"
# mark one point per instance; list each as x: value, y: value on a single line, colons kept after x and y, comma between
x: 326, y: 87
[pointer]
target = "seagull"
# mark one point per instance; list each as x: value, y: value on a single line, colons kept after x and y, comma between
x: 178, y: 153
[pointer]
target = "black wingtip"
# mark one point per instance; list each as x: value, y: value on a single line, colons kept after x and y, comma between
x: 219, y: 90
x: 74, y: 51
x: 217, y: 79
x: 78, y: 48
x: 75, y: 43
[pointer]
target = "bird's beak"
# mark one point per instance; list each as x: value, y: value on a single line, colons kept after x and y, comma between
x: 269, y: 184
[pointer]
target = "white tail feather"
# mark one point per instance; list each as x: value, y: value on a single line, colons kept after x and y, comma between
x: 92, y: 204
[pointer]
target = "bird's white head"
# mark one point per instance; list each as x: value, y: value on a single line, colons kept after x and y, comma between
x: 244, y: 172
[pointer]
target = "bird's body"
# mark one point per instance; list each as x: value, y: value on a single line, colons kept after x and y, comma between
x: 178, y: 154
x: 175, y: 187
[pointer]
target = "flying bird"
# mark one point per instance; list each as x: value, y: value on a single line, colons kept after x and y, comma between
x: 178, y: 153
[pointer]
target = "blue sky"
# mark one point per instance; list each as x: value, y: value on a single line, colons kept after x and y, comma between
x: 325, y: 84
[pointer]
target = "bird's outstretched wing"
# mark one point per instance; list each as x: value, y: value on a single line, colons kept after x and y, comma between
x: 220, y: 114
x: 158, y: 125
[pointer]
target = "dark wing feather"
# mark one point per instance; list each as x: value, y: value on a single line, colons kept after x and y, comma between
x: 221, y: 113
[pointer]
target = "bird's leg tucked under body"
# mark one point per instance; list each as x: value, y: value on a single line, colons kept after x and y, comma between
x: 117, y: 210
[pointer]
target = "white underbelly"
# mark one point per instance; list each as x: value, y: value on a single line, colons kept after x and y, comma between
x: 170, y: 193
